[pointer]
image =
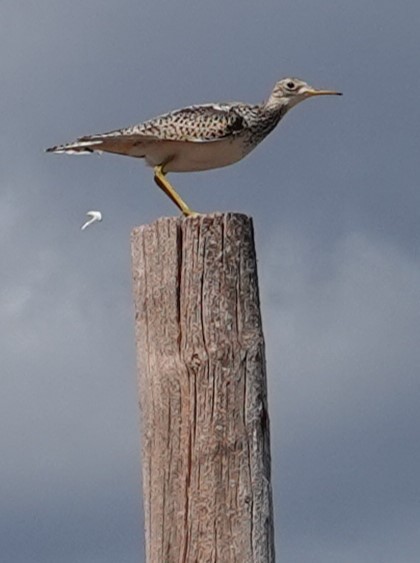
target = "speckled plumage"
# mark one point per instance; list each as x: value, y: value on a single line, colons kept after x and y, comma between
x: 198, y: 137
x: 241, y: 126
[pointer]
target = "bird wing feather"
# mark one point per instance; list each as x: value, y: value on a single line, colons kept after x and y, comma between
x: 196, y: 124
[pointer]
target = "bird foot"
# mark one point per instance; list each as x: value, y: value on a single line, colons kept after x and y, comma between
x: 191, y: 213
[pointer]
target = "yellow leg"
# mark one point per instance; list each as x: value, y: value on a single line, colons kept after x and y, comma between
x: 164, y: 185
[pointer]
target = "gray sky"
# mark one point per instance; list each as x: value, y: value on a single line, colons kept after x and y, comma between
x: 335, y: 197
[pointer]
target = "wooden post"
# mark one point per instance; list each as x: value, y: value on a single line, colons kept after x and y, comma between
x: 202, y: 389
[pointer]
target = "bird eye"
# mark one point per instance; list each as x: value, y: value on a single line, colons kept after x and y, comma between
x: 291, y: 85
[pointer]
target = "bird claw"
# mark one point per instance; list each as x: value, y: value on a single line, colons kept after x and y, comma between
x: 191, y: 213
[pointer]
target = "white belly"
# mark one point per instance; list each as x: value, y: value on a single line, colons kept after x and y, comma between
x: 192, y: 157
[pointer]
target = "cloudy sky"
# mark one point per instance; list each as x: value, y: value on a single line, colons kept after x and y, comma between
x: 334, y: 193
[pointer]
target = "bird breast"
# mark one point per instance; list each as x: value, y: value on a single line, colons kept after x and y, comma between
x: 181, y: 156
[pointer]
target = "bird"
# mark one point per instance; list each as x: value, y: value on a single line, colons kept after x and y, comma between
x: 95, y: 216
x: 198, y: 137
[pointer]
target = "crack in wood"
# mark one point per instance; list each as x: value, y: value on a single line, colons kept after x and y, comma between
x: 202, y: 389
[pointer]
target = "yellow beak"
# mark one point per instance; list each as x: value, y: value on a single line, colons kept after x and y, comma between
x: 323, y: 93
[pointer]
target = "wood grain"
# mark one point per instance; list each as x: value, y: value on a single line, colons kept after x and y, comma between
x: 202, y: 389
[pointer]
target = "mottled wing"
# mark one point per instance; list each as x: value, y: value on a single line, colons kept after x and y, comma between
x: 197, y: 124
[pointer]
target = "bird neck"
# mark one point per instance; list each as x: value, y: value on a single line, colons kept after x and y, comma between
x: 265, y: 119
x: 274, y: 109
x: 276, y: 104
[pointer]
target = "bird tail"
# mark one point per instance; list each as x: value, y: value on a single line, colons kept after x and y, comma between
x: 84, y: 145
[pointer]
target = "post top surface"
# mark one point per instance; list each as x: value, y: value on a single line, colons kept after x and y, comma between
x: 199, y: 218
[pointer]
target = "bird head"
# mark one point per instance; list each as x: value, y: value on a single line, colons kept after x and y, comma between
x: 290, y: 91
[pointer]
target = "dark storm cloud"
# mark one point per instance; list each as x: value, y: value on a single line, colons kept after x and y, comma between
x: 335, y: 199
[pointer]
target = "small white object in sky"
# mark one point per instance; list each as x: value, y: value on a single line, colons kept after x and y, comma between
x: 95, y: 216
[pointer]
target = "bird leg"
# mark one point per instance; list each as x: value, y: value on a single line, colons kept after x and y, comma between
x: 164, y: 185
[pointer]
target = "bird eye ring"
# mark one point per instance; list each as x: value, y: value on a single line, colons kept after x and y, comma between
x: 291, y: 85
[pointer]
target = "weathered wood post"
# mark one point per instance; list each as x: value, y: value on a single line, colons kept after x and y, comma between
x: 202, y: 389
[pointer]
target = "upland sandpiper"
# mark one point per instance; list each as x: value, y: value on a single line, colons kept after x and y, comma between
x: 198, y: 137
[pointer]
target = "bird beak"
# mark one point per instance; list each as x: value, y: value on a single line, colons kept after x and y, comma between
x: 314, y: 92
